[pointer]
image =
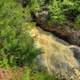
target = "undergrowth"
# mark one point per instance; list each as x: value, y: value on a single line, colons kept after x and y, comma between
x: 16, y: 44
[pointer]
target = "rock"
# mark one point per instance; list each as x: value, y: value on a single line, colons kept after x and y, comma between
x: 76, y: 51
x: 56, y: 56
x: 67, y: 31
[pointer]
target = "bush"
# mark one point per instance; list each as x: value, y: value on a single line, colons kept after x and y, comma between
x: 70, y: 9
x: 35, y: 6
x: 16, y: 44
x: 56, y: 14
x: 27, y: 75
x: 77, y: 21
x: 62, y: 11
x: 44, y: 76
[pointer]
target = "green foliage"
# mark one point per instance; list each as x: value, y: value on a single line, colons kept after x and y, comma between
x: 35, y: 5
x: 77, y: 21
x: 16, y: 44
x: 60, y: 11
x: 56, y: 14
x: 43, y: 76
x: 27, y: 75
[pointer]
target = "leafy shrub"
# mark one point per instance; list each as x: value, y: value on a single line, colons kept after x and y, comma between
x: 77, y: 21
x: 56, y: 14
x: 16, y: 44
x: 27, y: 75
x: 70, y: 9
x: 43, y: 76
x: 60, y: 11
x: 35, y: 5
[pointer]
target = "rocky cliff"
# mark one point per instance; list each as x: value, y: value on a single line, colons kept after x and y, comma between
x: 67, y: 31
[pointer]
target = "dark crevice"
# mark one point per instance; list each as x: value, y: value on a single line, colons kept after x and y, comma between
x: 65, y: 32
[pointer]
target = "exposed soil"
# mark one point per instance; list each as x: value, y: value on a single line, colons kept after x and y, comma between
x: 11, y: 74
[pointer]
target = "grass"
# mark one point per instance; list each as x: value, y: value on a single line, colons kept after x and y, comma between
x: 29, y: 75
